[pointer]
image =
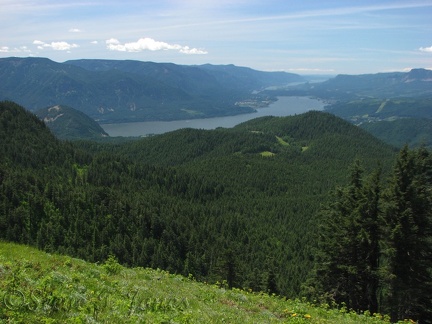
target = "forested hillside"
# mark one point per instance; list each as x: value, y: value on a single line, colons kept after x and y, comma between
x: 412, y: 131
x: 396, y: 121
x: 68, y: 123
x: 244, y: 207
x: 232, y: 205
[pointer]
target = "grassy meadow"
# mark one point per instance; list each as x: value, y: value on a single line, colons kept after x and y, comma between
x: 37, y: 287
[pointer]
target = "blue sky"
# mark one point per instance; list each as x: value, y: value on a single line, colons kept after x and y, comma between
x: 301, y: 36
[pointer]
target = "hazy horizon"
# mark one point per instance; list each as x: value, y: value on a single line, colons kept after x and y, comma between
x: 308, y: 37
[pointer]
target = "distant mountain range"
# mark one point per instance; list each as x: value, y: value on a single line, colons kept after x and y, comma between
x: 114, y: 91
x: 415, y: 83
x: 120, y: 91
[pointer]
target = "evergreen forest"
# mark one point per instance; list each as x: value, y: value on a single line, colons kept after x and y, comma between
x: 302, y: 206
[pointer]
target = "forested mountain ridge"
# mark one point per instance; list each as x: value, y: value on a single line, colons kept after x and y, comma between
x: 412, y: 131
x: 118, y: 91
x: 26, y: 140
x: 195, y: 77
x: 69, y: 123
x: 209, y: 203
x: 413, y: 84
x: 309, y: 133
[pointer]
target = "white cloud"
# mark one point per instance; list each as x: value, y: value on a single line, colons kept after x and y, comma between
x: 150, y: 44
x: 426, y: 49
x: 75, y: 30
x: 94, y: 42
x: 21, y: 49
x: 57, y: 46
x: 187, y: 50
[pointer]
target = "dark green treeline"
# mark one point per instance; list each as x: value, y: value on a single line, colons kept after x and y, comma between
x: 375, y: 242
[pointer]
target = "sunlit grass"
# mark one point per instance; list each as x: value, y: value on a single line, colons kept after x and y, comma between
x: 37, y: 287
x: 267, y: 154
x: 281, y: 141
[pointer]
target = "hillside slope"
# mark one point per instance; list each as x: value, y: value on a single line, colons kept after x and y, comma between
x: 411, y: 131
x: 319, y: 133
x: 69, y: 123
x: 38, y: 287
x: 237, y: 205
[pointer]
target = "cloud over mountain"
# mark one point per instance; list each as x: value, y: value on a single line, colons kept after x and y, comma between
x: 151, y: 45
x: 426, y: 49
x: 21, y: 49
x: 58, y: 46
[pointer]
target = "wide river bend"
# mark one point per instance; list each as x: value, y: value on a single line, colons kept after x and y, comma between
x: 284, y: 106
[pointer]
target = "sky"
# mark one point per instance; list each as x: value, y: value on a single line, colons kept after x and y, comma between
x: 298, y: 36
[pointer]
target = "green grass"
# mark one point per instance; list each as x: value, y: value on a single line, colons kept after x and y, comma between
x: 281, y: 141
x: 381, y: 107
x: 267, y: 154
x: 37, y: 287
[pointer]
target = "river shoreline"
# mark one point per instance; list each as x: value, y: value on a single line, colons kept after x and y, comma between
x: 284, y: 106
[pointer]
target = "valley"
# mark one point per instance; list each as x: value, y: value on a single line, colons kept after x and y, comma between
x: 246, y: 202
x: 283, y: 106
x: 188, y: 162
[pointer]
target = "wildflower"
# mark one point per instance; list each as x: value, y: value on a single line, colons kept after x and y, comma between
x: 307, y: 316
x: 294, y: 315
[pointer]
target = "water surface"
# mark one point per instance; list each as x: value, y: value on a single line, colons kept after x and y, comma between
x: 284, y: 106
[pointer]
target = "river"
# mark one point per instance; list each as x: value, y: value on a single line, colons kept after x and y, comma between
x: 284, y: 106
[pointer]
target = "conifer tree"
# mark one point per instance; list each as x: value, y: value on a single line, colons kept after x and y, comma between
x: 375, y: 247
x: 407, y: 287
x: 369, y: 238
x: 347, y: 260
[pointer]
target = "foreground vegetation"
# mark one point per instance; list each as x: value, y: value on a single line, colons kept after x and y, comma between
x: 375, y: 248
x: 36, y: 287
